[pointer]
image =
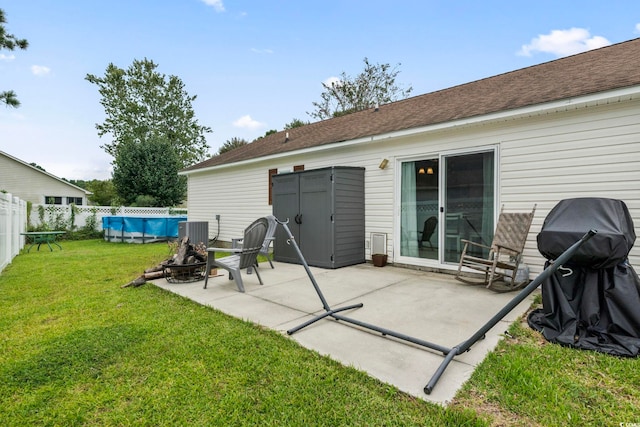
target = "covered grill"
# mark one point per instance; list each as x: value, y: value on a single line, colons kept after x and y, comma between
x: 593, y: 301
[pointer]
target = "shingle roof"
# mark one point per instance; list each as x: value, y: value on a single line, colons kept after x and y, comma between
x: 612, y: 67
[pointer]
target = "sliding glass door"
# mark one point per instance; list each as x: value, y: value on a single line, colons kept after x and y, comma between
x: 419, y: 209
x: 445, y: 200
x: 469, y: 202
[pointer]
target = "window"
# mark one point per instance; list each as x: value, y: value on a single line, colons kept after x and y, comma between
x: 75, y: 200
x: 52, y: 200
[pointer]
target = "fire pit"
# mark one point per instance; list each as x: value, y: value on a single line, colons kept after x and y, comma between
x: 184, y: 273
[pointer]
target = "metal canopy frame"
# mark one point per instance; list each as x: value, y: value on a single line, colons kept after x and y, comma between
x: 448, y: 352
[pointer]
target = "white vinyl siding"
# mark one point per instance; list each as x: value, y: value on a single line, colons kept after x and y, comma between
x: 33, y: 185
x: 584, y: 153
x: 542, y: 159
x: 239, y: 194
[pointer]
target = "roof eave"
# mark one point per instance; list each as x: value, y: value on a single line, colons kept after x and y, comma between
x: 615, y: 95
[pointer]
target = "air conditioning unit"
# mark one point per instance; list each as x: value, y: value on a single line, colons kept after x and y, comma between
x: 196, y: 231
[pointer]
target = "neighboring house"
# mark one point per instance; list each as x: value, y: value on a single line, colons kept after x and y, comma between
x: 37, y: 186
x: 562, y: 129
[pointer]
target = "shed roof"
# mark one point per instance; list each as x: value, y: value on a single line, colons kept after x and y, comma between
x: 608, y: 68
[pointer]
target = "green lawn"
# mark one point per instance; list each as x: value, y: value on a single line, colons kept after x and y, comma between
x: 77, y: 349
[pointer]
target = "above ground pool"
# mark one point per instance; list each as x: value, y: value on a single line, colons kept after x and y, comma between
x: 140, y: 229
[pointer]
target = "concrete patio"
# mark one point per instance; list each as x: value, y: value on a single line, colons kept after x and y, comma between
x: 429, y: 306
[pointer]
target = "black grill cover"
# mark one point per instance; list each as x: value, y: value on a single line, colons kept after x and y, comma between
x: 591, y: 309
x: 570, y: 219
x: 592, y: 302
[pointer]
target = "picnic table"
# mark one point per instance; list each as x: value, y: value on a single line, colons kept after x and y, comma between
x: 40, y: 237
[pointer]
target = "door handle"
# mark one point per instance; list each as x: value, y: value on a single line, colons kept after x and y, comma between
x: 299, y: 219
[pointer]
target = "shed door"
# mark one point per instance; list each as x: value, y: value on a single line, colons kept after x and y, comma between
x: 316, y: 232
x: 286, y: 203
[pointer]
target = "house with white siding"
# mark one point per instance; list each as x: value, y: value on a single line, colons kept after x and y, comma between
x: 37, y: 186
x: 563, y: 129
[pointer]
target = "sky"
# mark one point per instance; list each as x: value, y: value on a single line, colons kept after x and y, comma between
x: 255, y: 65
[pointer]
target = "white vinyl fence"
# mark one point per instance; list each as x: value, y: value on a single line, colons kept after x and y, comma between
x: 13, y: 221
x: 63, y: 213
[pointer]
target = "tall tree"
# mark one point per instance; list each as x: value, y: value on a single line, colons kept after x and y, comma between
x: 145, y: 173
x: 232, y: 144
x: 375, y: 85
x: 10, y: 42
x: 103, y: 192
x: 295, y: 123
x: 141, y: 104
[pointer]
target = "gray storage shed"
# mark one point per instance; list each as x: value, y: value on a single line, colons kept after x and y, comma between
x: 325, y: 209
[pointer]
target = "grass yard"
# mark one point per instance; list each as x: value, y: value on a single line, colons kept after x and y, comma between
x: 77, y: 349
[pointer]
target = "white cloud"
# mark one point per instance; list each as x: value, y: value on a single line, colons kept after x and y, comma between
x: 564, y: 43
x: 246, y: 122
x: 40, y: 70
x: 332, y: 81
x: 4, y: 57
x: 217, y: 4
x: 637, y: 31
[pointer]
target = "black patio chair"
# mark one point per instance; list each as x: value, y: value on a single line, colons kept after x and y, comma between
x: 427, y: 231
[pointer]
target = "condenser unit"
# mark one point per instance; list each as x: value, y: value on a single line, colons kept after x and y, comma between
x: 196, y: 231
